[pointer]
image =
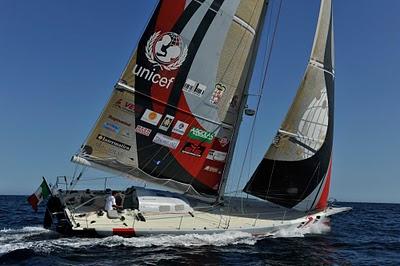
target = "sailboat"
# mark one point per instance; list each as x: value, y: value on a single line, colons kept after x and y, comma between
x: 173, y: 120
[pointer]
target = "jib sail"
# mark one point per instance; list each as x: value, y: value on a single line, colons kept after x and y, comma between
x: 173, y: 114
x: 295, y: 171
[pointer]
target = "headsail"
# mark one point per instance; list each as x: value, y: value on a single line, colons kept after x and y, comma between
x: 296, y: 169
x: 173, y: 114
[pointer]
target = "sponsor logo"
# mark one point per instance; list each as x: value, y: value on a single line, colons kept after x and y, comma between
x: 113, y: 142
x: 167, y: 122
x: 216, y: 156
x: 126, y: 133
x: 112, y: 127
x: 223, y: 141
x: 199, y: 134
x: 151, y: 117
x: 193, y: 149
x: 217, y: 94
x: 166, y: 141
x: 166, y: 50
x: 212, y: 169
x: 115, y: 119
x: 180, y: 127
x: 127, y: 106
x: 194, y: 87
x: 151, y: 76
x: 143, y: 130
x: 105, y: 148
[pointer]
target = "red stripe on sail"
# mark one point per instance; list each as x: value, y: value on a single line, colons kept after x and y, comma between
x: 323, y: 200
x: 195, y: 166
x: 170, y: 12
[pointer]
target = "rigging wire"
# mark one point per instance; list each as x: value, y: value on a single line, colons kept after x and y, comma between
x: 267, y: 57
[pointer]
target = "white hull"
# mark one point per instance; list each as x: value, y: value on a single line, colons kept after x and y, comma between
x: 259, y: 219
x: 201, y: 223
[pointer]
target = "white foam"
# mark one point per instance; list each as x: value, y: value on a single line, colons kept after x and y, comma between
x: 25, y: 229
x: 321, y: 227
x: 189, y: 240
x: 14, y: 239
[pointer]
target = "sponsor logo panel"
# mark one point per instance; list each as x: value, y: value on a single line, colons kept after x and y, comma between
x: 194, y: 88
x: 151, y: 117
x: 167, y: 122
x: 113, y: 142
x: 112, y: 127
x: 216, y: 156
x: 202, y: 135
x: 218, y: 93
x: 193, y: 149
x: 143, y: 130
x: 117, y: 120
x: 180, y: 127
x: 166, y: 141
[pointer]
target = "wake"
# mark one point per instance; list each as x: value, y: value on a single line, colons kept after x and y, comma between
x: 44, y: 241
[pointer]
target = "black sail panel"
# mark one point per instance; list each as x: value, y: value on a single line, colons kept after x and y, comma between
x: 172, y: 116
x: 295, y: 171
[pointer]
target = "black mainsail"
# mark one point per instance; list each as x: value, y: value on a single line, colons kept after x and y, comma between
x: 295, y: 171
x: 172, y: 117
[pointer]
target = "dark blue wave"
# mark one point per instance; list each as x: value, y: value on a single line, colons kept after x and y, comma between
x: 369, y: 235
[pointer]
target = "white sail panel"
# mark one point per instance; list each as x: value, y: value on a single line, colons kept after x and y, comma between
x: 295, y: 171
x: 304, y: 129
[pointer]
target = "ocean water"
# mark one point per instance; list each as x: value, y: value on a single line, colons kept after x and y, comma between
x: 368, y: 235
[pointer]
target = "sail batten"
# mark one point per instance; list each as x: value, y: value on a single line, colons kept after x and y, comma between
x: 295, y: 171
x: 172, y: 115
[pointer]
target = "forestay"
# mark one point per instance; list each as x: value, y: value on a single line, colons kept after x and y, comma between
x: 295, y: 171
x: 173, y: 114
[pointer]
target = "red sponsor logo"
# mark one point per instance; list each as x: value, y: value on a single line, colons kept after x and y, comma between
x: 127, y: 106
x: 143, y: 130
x: 193, y: 149
x: 224, y: 141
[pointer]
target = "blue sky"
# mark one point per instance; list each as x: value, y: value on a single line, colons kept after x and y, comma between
x: 60, y: 59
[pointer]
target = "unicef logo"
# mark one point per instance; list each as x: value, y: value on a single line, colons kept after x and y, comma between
x: 166, y: 50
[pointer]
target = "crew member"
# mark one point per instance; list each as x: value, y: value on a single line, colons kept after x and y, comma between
x: 110, y: 202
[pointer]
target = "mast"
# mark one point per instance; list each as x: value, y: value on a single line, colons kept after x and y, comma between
x: 296, y: 169
x: 246, y: 80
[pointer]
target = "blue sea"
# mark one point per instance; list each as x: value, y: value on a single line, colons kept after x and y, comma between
x: 368, y: 235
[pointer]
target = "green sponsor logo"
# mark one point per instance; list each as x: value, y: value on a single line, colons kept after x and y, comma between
x: 204, y: 136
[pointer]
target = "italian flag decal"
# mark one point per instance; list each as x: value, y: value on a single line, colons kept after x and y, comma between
x: 43, y: 192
